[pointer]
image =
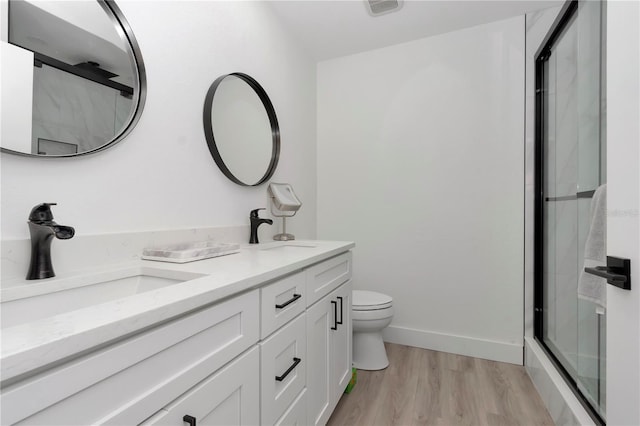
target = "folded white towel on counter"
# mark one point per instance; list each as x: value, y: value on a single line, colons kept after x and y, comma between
x: 592, y: 287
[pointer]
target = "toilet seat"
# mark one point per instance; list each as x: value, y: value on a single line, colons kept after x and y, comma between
x: 371, y: 315
x: 364, y: 300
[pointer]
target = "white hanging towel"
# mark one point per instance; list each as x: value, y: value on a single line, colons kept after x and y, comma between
x: 592, y: 287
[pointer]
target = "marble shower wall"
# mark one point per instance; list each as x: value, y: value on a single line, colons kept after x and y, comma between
x: 591, y: 348
x: 573, y: 159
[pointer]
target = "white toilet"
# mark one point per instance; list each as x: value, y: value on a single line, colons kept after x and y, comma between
x: 371, y: 312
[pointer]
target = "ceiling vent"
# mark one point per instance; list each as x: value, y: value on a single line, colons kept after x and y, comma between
x: 380, y: 7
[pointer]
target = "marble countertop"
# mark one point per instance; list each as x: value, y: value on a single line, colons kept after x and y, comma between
x: 47, y: 341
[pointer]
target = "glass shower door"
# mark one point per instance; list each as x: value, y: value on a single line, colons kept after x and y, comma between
x: 572, y: 168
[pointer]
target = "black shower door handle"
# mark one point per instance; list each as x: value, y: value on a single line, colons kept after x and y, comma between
x: 617, y: 272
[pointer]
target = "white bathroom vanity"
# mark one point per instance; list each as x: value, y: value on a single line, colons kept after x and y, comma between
x: 258, y: 337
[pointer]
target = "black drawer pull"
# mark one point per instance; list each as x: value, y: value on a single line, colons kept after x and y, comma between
x: 335, y: 315
x: 341, y: 313
x: 189, y: 419
x: 290, y: 301
x: 296, y: 361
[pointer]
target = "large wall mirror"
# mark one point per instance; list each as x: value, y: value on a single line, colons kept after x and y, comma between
x: 76, y: 77
x: 241, y: 129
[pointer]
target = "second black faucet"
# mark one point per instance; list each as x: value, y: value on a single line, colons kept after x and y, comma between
x: 255, y: 222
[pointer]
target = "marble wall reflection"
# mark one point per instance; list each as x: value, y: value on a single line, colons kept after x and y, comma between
x: 73, y: 113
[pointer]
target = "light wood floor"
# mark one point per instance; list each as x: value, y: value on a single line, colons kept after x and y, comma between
x: 422, y: 387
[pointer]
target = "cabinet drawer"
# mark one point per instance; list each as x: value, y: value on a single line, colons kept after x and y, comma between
x: 296, y: 414
x: 283, y: 369
x: 228, y: 397
x: 327, y: 276
x: 126, y: 382
x: 281, y: 302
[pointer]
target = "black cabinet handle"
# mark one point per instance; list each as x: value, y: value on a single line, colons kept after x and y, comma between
x: 189, y: 419
x: 296, y: 361
x: 290, y: 301
x: 335, y: 315
x: 341, y: 313
x: 617, y: 272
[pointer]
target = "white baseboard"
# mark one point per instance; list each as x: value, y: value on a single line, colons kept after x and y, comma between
x: 461, y: 345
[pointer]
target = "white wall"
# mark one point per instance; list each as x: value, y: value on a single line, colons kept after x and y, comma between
x: 162, y: 175
x: 421, y: 163
x: 623, y: 209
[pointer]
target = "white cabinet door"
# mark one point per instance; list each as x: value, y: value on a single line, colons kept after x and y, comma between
x: 296, y: 414
x: 319, y: 322
x: 228, y: 397
x: 341, y: 343
x: 328, y: 352
x: 283, y: 361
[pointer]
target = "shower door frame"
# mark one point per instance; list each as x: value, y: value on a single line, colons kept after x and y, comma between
x: 566, y: 15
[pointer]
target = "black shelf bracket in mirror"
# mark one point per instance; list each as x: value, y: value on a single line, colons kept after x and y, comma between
x: 241, y: 129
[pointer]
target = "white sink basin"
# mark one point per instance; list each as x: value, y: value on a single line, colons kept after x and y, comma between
x: 38, y: 300
x: 287, y: 246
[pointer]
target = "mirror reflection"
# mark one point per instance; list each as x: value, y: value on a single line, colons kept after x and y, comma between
x: 76, y: 76
x: 242, y: 129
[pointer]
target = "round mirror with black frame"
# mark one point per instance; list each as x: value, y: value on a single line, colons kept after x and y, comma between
x: 241, y: 129
x: 77, y: 78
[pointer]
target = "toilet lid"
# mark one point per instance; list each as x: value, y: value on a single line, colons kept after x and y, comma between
x: 369, y: 300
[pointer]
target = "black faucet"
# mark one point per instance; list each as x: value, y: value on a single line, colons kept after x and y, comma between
x: 255, y: 222
x: 42, y: 229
